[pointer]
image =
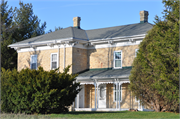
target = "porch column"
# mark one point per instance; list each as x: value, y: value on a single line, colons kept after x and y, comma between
x: 77, y: 106
x: 119, y: 96
x: 95, y: 92
x: 97, y: 96
x: 116, y: 94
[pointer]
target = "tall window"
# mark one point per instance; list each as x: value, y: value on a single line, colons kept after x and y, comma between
x: 33, y: 62
x: 53, y: 60
x: 136, y: 51
x: 117, y: 59
x: 116, y: 93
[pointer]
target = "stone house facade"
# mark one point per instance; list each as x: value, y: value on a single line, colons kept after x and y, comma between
x: 102, y: 57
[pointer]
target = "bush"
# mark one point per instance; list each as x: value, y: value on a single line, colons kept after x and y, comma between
x: 37, y: 91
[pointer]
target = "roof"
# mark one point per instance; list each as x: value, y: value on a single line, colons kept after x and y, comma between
x: 75, y: 33
x: 105, y: 73
x: 70, y: 32
x: 119, y: 31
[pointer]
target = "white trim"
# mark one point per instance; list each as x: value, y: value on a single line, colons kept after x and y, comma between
x: 120, y: 59
x: 31, y: 61
x: 79, y: 46
x: 136, y: 51
x: 136, y: 100
x: 51, y: 61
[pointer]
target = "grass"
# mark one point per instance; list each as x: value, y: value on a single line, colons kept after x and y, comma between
x: 96, y: 115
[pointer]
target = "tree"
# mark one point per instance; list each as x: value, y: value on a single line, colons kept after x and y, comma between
x: 154, y: 77
x: 38, y: 91
x: 28, y: 23
x: 17, y: 25
x: 8, y: 55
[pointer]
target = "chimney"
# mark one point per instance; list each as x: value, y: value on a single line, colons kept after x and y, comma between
x: 76, y: 22
x: 143, y: 16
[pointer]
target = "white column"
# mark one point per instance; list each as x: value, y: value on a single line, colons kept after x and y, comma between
x: 119, y: 96
x: 116, y: 95
x: 77, y: 100
x: 97, y: 96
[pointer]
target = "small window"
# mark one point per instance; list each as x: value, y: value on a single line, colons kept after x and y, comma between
x: 117, y: 59
x: 33, y: 62
x: 136, y: 51
x: 54, y: 61
x: 116, y: 93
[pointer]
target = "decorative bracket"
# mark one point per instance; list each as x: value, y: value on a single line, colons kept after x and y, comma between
x: 131, y: 40
x: 110, y: 42
x: 73, y: 44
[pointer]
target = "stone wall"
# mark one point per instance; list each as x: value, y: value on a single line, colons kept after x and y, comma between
x: 80, y: 61
x: 103, y: 57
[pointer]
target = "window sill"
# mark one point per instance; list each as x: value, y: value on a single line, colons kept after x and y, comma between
x: 117, y: 67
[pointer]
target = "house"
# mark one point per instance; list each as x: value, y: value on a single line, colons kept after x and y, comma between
x: 102, y: 57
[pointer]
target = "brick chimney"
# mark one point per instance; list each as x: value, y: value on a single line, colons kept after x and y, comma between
x: 143, y: 16
x: 76, y: 22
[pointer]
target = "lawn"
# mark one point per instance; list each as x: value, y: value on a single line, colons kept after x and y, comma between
x: 95, y: 115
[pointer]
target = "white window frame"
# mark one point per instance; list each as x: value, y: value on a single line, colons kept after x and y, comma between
x: 114, y: 59
x: 31, y: 61
x: 51, y: 61
x: 136, y: 99
x: 136, y: 51
x: 114, y: 91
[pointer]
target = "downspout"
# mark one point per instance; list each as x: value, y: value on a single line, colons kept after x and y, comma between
x: 64, y: 56
x: 58, y: 57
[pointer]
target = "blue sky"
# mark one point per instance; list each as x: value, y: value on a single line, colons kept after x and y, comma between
x: 94, y: 13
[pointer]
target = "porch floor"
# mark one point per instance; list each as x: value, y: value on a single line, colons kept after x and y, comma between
x: 99, y: 109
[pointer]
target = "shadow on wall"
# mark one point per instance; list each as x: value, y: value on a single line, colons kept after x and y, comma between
x: 39, y: 59
x: 105, y: 58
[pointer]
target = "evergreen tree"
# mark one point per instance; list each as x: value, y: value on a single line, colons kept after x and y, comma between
x: 17, y: 25
x: 8, y: 55
x: 154, y: 77
x: 28, y: 24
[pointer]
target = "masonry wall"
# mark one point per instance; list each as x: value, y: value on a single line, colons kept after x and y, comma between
x: 44, y: 58
x: 103, y: 57
x: 80, y: 60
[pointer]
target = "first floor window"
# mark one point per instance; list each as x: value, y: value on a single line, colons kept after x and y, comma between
x: 117, y: 93
x: 54, y: 61
x: 117, y: 59
x: 33, y: 62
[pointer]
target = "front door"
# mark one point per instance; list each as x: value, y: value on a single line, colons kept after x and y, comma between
x: 102, y: 96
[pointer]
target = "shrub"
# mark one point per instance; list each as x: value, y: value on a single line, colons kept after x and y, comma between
x: 37, y: 91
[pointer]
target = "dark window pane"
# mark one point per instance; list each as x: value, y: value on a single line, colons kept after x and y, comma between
x: 54, y: 65
x: 33, y: 66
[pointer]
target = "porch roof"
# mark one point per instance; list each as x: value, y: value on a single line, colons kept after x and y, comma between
x: 105, y: 73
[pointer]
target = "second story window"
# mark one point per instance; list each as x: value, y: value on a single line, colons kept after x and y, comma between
x: 53, y: 60
x: 117, y: 59
x: 33, y: 63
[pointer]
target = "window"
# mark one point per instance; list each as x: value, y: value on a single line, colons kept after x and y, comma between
x: 136, y: 51
x: 117, y: 59
x: 116, y: 93
x: 136, y: 100
x: 33, y: 62
x: 53, y: 60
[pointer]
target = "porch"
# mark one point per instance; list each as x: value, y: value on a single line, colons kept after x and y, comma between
x: 105, y: 90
